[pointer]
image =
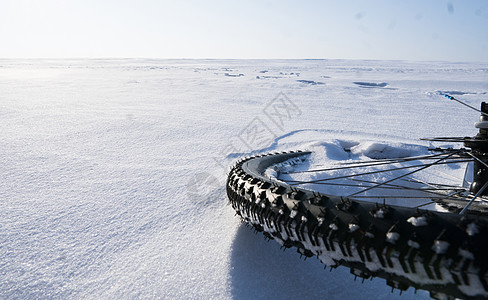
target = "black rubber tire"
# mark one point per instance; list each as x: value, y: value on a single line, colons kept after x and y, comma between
x: 447, y: 256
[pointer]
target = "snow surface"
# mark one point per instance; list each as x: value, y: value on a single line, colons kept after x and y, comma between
x: 112, y: 171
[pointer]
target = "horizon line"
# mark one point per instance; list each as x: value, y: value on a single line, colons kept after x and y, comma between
x: 213, y: 58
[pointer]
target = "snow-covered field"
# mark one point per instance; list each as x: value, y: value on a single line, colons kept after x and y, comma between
x: 112, y: 171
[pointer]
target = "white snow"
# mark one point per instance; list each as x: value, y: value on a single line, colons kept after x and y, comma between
x: 418, y: 221
x: 271, y: 173
x: 472, y: 229
x: 440, y: 247
x: 353, y: 227
x: 392, y: 237
x: 379, y: 214
x: 413, y: 244
x: 101, y: 165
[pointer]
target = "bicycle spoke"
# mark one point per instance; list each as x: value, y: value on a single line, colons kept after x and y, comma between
x: 428, y: 203
x: 404, y: 175
x: 401, y: 187
x: 430, y: 183
x: 479, y: 160
x: 421, y: 166
x: 357, y: 177
x: 353, y: 165
x: 398, y: 197
x: 338, y: 184
x: 387, y: 186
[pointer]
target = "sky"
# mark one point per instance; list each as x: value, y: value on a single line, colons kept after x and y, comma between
x: 434, y: 30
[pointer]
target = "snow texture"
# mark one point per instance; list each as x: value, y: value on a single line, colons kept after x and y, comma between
x: 112, y: 171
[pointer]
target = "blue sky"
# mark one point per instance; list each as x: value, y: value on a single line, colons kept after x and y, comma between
x: 400, y: 30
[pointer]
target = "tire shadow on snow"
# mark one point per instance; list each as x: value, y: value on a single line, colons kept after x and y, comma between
x: 261, y: 270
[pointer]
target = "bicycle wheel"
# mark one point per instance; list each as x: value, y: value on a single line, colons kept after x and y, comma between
x: 379, y: 217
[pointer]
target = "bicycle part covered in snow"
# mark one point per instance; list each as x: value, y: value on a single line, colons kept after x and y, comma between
x: 441, y: 252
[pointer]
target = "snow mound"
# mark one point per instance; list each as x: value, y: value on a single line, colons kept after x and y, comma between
x: 380, y: 150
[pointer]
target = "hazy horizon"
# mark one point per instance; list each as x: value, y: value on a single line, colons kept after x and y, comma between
x: 450, y: 31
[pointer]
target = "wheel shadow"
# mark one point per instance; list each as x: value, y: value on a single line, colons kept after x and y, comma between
x: 261, y: 270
